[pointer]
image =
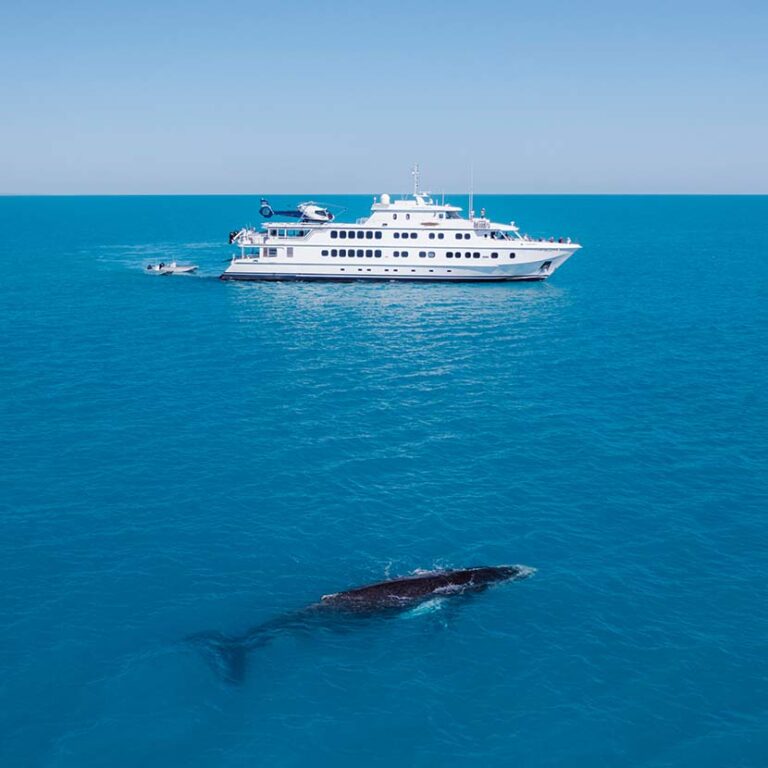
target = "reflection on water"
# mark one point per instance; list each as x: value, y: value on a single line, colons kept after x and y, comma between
x: 447, y: 309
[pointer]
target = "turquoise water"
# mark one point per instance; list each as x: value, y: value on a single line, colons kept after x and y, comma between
x: 179, y: 454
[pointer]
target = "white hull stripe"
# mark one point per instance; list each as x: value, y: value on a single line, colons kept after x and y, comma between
x: 277, y: 276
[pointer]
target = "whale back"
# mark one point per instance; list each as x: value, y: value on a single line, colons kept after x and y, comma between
x: 404, y: 591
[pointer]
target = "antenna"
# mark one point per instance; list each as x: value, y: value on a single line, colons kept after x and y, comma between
x: 415, y: 174
x: 471, y: 190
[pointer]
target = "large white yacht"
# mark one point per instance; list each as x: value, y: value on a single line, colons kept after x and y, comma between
x: 413, y: 238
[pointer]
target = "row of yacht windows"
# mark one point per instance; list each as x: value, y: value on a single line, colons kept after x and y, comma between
x: 376, y: 254
x: 362, y: 234
x: 413, y: 235
x: 472, y: 255
x: 395, y: 269
x: 359, y: 252
x: 288, y: 232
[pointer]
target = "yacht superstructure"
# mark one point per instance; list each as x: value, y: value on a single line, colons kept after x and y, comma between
x: 413, y: 238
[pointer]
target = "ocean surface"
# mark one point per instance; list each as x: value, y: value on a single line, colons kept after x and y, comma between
x: 179, y: 454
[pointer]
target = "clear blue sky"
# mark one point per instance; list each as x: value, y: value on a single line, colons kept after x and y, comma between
x: 545, y: 96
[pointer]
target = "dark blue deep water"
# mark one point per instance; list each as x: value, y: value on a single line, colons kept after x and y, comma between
x: 181, y: 454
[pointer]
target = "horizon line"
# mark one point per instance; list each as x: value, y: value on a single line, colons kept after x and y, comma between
x: 369, y: 194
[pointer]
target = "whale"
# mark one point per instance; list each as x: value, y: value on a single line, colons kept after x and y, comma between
x: 228, y: 655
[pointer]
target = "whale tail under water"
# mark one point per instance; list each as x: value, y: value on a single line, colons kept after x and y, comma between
x: 227, y: 656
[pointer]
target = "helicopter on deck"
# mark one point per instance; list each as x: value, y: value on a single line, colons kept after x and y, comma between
x: 305, y: 212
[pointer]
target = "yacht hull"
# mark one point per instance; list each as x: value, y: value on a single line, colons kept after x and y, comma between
x: 439, y: 271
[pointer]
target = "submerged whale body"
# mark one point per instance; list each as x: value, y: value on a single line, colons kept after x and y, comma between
x: 228, y: 655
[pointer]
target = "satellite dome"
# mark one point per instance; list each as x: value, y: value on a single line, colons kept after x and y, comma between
x: 385, y: 199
